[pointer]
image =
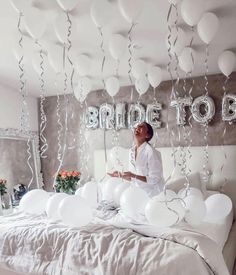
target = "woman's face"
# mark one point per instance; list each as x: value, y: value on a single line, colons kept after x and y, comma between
x: 141, y: 132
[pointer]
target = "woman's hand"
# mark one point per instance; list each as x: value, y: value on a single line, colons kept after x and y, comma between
x: 128, y: 176
x: 115, y: 174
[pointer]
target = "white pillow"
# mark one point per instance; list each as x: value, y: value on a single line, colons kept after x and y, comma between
x: 194, y: 181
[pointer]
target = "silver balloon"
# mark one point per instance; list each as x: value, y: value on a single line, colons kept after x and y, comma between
x: 91, y: 117
x: 136, y: 115
x: 229, y: 108
x: 209, y: 109
x: 120, y: 116
x: 106, y: 116
x: 153, y: 115
x: 180, y: 104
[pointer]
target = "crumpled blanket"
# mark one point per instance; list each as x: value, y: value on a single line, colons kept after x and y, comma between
x: 34, y: 245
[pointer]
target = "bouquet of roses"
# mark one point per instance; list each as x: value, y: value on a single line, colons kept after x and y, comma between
x: 3, y: 187
x: 66, y: 181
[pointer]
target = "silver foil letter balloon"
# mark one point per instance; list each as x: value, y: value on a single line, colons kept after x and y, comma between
x: 136, y: 115
x: 203, y: 109
x: 120, y: 116
x: 153, y: 115
x: 229, y: 108
x: 91, y: 117
x: 180, y: 104
x: 106, y: 116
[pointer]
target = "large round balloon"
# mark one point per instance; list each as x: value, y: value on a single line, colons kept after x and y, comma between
x: 83, y: 65
x: 117, y: 46
x: 218, y: 207
x: 139, y: 68
x: 34, y: 202
x: 121, y: 187
x: 184, y: 192
x: 142, y: 85
x: 112, y: 85
x: 192, y: 10
x: 67, y: 5
x: 164, y: 210
x: 52, y: 207
x: 226, y: 62
x: 155, y: 76
x: 208, y: 27
x: 109, y: 187
x: 177, y: 39
x: 186, y: 60
x: 32, y: 17
x: 133, y: 201
x: 130, y: 9
x: 195, y: 210
x: 75, y: 211
x: 90, y: 193
x: 101, y: 12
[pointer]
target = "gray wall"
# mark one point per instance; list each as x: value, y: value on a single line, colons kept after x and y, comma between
x: 95, y: 137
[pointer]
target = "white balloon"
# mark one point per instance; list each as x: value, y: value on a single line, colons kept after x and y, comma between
x: 208, y: 27
x: 75, y: 211
x: 67, y: 5
x: 35, y: 22
x: 139, y: 68
x: 53, y: 205
x: 192, y: 10
x: 133, y: 201
x: 122, y: 186
x: 130, y: 9
x: 186, y: 60
x: 195, y: 210
x: 226, y: 62
x: 83, y: 65
x: 79, y: 191
x: 55, y: 53
x: 155, y: 76
x: 164, y: 210
x: 34, y: 202
x: 184, y: 192
x: 117, y: 46
x: 19, y: 5
x: 90, y: 193
x: 177, y: 39
x: 142, y: 85
x: 83, y: 88
x: 218, y: 207
x: 112, y: 85
x: 109, y: 187
x: 101, y: 12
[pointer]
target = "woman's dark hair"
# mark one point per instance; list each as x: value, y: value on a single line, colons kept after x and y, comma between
x: 149, y: 131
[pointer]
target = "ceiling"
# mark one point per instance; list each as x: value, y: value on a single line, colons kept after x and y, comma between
x: 148, y: 39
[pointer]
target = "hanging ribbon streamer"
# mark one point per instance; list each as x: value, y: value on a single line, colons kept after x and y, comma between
x: 103, y: 57
x: 25, y: 124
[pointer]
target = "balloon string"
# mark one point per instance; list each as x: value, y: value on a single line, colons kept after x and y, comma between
x: 175, y: 55
x: 103, y: 55
x: 169, y: 46
x: 60, y: 129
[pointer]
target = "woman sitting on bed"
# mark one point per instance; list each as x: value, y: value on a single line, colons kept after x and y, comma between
x: 145, y: 164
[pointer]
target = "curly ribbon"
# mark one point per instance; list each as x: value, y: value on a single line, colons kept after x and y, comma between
x: 103, y: 56
x: 25, y: 124
x: 60, y: 129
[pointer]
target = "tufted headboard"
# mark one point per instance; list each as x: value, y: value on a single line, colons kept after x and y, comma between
x: 221, y: 165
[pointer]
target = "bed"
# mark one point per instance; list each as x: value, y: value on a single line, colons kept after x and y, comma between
x: 34, y: 245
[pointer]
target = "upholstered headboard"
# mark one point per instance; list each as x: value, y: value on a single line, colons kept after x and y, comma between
x: 222, y: 164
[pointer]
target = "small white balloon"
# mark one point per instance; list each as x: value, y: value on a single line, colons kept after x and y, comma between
x: 83, y: 88
x: 83, y: 65
x: 67, y: 5
x: 195, y: 210
x: 117, y: 46
x: 155, y: 76
x: 34, y: 202
x: 101, y: 12
x: 35, y: 22
x: 122, y: 186
x: 218, y: 207
x: 19, y: 5
x: 52, y: 207
x: 184, y: 192
x: 130, y: 9
x: 208, y: 27
x: 133, y: 201
x: 139, y: 68
x: 112, y: 85
x: 142, y: 85
x: 186, y: 60
x: 75, y: 211
x: 79, y: 191
x: 226, y: 62
x: 192, y: 10
x: 90, y: 193
x: 108, y: 188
